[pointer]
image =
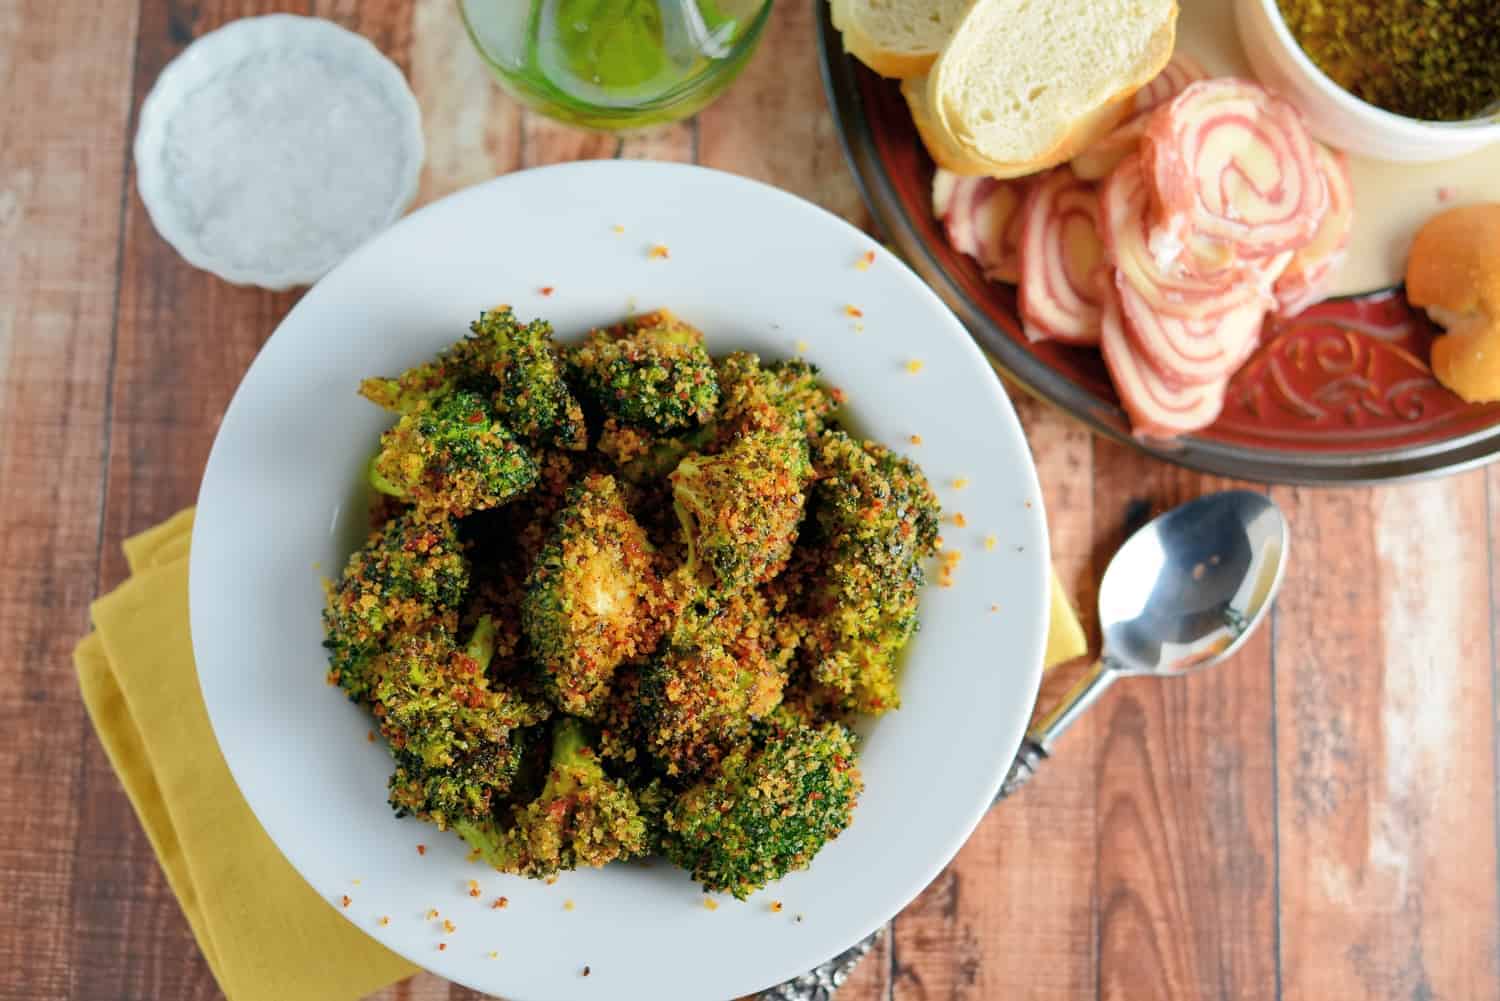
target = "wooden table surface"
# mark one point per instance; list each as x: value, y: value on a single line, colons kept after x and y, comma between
x: 1316, y: 820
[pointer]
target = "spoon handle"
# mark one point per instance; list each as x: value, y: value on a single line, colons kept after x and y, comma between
x: 1028, y: 759
x: 1084, y: 693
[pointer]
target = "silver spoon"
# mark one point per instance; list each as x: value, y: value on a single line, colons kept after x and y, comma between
x: 1184, y: 593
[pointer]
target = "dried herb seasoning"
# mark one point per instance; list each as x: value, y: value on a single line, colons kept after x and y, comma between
x: 1437, y: 60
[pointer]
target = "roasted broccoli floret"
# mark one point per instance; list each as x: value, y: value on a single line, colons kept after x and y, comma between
x: 456, y: 737
x: 651, y: 371
x: 436, y: 701
x: 531, y: 396
x: 876, y: 519
x: 582, y: 816
x: 722, y: 668
x: 409, y: 576
x: 514, y: 365
x: 766, y: 810
x: 452, y: 457
x: 779, y: 396
x: 593, y: 598
x: 740, y: 509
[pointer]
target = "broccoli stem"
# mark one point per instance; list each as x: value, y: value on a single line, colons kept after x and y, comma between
x: 380, y: 483
x: 481, y: 645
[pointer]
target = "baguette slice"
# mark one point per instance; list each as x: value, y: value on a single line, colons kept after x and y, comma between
x: 897, y: 38
x: 1024, y: 85
x: 944, y: 152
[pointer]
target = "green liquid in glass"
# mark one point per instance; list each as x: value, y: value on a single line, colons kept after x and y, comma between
x: 615, y: 63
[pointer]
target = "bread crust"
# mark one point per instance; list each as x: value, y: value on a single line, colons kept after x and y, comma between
x: 950, y: 150
x: 890, y: 63
x: 1453, y: 272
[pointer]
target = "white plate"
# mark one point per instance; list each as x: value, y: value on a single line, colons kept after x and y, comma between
x: 757, y: 269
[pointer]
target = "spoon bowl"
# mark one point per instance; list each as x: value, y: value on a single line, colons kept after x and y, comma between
x: 1183, y: 591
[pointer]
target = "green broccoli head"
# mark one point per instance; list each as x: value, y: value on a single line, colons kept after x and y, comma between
x: 876, y: 519
x: 436, y: 703
x: 741, y: 509
x: 775, y: 397
x: 463, y: 791
x: 723, y: 668
x: 530, y: 395
x: 452, y: 457
x: 514, y: 365
x: 593, y: 598
x: 766, y: 810
x: 582, y: 817
x: 410, y: 575
x: 652, y: 371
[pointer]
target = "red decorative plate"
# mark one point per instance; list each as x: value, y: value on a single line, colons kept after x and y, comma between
x: 1340, y: 394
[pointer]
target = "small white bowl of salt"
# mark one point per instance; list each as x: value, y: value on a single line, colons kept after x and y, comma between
x: 274, y: 146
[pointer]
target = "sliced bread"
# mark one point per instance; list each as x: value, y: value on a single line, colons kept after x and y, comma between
x: 897, y: 38
x: 1026, y: 84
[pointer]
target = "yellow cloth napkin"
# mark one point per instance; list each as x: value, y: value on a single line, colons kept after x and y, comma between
x: 264, y: 932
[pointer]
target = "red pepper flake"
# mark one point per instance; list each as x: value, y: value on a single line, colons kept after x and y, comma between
x: 776, y: 904
x: 659, y: 252
x: 853, y: 311
x: 421, y: 849
x: 448, y: 927
x: 344, y: 901
x: 432, y: 912
x: 476, y: 417
x: 994, y: 608
x: 959, y: 519
x: 442, y: 946
x: 500, y: 904
x: 547, y: 290
x: 1445, y: 194
x: 839, y: 396
x: 916, y: 439
x: 473, y: 887
x: 866, y: 259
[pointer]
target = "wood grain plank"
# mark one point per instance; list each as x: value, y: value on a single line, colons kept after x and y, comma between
x: 773, y: 123
x: 1386, y: 716
x: 172, y: 380
x: 61, y: 165
x: 473, y: 129
x: 1024, y: 885
x: 1185, y: 769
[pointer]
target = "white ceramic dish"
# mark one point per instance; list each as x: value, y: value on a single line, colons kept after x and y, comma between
x: 1338, y: 117
x: 756, y: 269
x: 231, y: 132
